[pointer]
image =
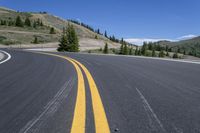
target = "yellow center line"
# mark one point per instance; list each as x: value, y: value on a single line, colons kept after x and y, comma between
x: 79, y: 119
x: 78, y: 124
x: 101, y: 122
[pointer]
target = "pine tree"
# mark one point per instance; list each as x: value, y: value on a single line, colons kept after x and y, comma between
x: 41, y: 23
x: 34, y: 24
x: 27, y: 22
x: 175, y: 55
x: 52, y: 31
x: 122, y: 41
x: 167, y: 48
x: 179, y: 50
x: 161, y: 54
x: 1, y: 22
x: 35, y: 40
x: 69, y: 40
x: 105, y: 50
x: 19, y: 22
x: 72, y: 39
x: 154, y: 53
x: 63, y: 42
x: 167, y: 54
x: 144, y: 49
x: 105, y: 34
x: 136, y: 51
x: 131, y: 51
x: 125, y: 49
x: 98, y: 31
x: 139, y: 52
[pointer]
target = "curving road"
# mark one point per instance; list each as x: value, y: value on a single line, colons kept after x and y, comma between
x: 41, y: 93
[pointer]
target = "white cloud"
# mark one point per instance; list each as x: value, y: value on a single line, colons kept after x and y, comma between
x: 187, y: 37
x: 140, y: 41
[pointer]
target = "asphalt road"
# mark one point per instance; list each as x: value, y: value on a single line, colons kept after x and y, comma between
x: 38, y: 94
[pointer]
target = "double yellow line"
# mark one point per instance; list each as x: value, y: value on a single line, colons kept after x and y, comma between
x: 79, y: 119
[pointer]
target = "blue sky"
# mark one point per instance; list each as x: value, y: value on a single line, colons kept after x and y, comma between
x: 132, y: 19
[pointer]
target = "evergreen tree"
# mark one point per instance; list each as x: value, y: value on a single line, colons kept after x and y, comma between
x: 167, y: 48
x: 125, y: 50
x: 1, y: 22
x: 144, y: 49
x: 10, y: 23
x: 150, y: 46
x: 96, y: 37
x: 27, y: 22
x: 122, y: 41
x: 19, y: 22
x: 175, y: 55
x: 35, y: 41
x: 34, y: 24
x: 41, y: 23
x: 105, y: 34
x: 63, y: 42
x: 139, y: 52
x: 105, y: 50
x: 69, y: 40
x: 52, y: 31
x: 131, y: 51
x: 162, y: 54
x: 136, y: 51
x: 154, y: 53
x: 179, y: 50
x: 98, y: 31
x: 167, y: 54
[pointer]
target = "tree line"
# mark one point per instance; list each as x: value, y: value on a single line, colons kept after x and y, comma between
x: 97, y: 31
x: 19, y: 22
x: 27, y: 22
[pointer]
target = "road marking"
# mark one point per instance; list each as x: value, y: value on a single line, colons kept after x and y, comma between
x: 78, y: 124
x: 149, y: 109
x: 8, y: 58
x: 101, y: 122
x: 79, y: 119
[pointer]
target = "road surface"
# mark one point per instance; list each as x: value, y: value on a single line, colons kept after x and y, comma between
x: 46, y: 93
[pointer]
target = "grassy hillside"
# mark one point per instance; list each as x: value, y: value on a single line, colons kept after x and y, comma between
x: 188, y: 47
x: 12, y: 35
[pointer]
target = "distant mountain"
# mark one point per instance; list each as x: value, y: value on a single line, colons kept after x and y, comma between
x: 25, y: 35
x: 190, y: 46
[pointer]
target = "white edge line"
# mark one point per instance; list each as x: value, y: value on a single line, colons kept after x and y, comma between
x: 9, y: 57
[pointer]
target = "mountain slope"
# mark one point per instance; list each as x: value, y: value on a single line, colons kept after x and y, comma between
x: 190, y: 46
x: 25, y: 35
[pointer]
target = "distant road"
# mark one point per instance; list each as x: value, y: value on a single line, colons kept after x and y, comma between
x: 65, y: 92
